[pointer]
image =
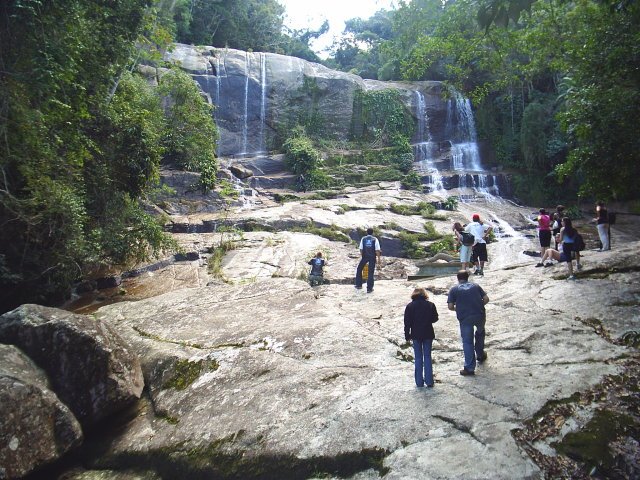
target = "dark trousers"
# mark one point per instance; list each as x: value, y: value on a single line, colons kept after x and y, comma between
x: 372, y: 267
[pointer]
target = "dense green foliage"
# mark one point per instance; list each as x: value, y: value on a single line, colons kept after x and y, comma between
x: 380, y: 118
x: 82, y: 139
x: 190, y: 133
x: 242, y: 24
x: 555, y: 84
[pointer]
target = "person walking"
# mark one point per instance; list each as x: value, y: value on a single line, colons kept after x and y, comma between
x: 316, y: 275
x: 602, y: 222
x: 544, y: 233
x: 370, y: 253
x: 419, y: 317
x: 468, y: 300
x: 480, y: 232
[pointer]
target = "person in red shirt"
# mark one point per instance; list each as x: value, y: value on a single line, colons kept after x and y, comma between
x: 544, y: 233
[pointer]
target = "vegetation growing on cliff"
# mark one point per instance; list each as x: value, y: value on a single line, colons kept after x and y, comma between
x: 82, y: 138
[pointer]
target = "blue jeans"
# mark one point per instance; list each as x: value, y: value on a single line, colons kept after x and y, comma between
x: 424, y: 368
x: 466, y: 333
x: 372, y: 267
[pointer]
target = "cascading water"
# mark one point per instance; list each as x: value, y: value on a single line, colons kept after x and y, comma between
x: 423, y: 148
x: 245, y: 125
x: 263, y: 99
x: 461, y: 130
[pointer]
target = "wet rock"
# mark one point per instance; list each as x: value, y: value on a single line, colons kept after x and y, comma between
x: 36, y: 428
x: 240, y: 171
x: 91, y: 368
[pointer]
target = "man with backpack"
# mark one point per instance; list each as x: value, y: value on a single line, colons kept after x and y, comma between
x: 370, y: 253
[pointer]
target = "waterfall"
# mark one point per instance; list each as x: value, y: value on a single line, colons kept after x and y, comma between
x: 263, y: 99
x: 424, y: 150
x: 421, y: 115
x: 245, y: 126
x: 218, y: 77
x: 461, y: 129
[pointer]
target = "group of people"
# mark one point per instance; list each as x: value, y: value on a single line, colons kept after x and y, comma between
x: 568, y: 241
x: 468, y: 300
x: 370, y: 253
x: 472, y: 242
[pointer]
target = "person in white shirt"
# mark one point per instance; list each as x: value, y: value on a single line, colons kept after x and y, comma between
x: 480, y: 232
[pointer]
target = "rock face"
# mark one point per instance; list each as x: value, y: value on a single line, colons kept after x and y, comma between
x: 265, y: 377
x: 90, y: 368
x: 259, y: 95
x: 35, y: 426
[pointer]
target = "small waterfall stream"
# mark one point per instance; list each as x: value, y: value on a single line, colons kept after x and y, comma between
x: 424, y: 149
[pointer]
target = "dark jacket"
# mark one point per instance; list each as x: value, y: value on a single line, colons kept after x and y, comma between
x: 419, y: 317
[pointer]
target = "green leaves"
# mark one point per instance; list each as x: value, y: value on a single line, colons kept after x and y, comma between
x: 190, y: 132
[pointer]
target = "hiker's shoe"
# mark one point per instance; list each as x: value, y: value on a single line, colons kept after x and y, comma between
x: 579, y: 266
x: 369, y: 291
x: 358, y: 288
x: 429, y: 385
x: 539, y: 264
x: 482, y: 358
x: 464, y: 372
x: 548, y: 264
x: 481, y: 273
x: 571, y: 277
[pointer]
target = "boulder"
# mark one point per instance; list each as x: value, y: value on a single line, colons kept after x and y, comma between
x: 36, y: 428
x: 240, y: 171
x: 91, y: 368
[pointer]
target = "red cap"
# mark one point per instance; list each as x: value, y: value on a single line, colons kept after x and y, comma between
x: 476, y: 217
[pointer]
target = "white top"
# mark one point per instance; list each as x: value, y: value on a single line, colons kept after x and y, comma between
x: 478, y: 230
x: 377, y: 243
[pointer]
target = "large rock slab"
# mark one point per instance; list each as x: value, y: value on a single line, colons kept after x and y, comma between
x: 36, y: 428
x: 91, y: 368
x: 270, y: 378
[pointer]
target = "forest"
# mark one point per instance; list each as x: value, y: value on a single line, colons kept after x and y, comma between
x: 555, y: 87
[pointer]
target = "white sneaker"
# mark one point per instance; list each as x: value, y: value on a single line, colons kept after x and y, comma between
x: 571, y: 277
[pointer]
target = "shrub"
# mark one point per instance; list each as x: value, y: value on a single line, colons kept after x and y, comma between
x: 301, y: 157
x: 447, y: 244
x: 410, y: 245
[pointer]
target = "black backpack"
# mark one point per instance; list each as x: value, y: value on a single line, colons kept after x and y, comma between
x: 467, y: 239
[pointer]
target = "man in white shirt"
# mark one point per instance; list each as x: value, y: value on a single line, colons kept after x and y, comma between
x: 480, y: 232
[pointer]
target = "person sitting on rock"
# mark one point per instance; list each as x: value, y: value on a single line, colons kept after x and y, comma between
x: 316, y: 275
x: 565, y: 253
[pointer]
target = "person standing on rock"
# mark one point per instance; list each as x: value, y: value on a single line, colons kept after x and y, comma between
x: 370, y: 253
x: 468, y: 300
x: 316, y: 275
x: 480, y: 232
x: 544, y: 233
x: 419, y: 317
x: 602, y: 222
x: 462, y: 235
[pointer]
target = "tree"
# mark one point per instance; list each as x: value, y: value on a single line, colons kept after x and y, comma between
x: 242, y: 24
x: 190, y: 134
